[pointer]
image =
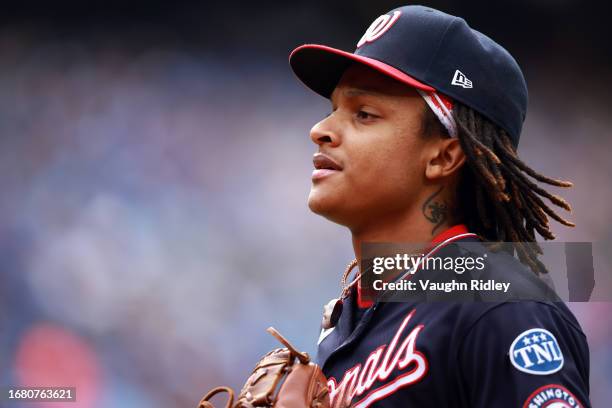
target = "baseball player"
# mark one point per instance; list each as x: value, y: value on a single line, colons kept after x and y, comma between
x: 420, y: 145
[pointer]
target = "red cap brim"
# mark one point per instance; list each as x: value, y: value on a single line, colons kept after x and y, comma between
x: 320, y: 68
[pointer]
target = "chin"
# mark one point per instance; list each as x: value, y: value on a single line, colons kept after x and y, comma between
x: 319, y: 203
x: 323, y: 202
x: 329, y: 206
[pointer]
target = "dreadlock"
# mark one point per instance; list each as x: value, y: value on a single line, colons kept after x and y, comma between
x: 496, y: 198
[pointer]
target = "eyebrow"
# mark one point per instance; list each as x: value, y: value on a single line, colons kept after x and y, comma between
x: 356, y: 92
x: 352, y: 92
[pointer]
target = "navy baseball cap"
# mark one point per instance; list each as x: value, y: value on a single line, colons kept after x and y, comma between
x: 433, y: 52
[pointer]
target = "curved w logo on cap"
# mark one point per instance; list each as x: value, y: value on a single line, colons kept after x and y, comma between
x: 379, y: 27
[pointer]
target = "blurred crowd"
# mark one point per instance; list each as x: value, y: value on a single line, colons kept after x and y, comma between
x: 153, y: 217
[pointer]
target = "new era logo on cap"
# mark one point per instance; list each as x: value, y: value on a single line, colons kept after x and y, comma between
x: 461, y: 80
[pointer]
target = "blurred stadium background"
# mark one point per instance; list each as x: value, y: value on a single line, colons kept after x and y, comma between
x: 155, y: 164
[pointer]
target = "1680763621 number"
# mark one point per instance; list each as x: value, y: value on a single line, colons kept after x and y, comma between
x: 34, y: 394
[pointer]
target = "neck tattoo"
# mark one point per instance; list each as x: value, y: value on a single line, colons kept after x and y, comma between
x: 435, y: 210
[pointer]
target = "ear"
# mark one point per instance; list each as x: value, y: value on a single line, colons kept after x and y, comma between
x: 445, y: 157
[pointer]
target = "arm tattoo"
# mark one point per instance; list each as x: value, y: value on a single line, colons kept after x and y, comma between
x: 435, y: 211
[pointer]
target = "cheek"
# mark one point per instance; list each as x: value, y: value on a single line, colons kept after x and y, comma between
x: 389, y: 166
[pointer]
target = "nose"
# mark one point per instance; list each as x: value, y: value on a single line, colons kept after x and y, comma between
x: 325, y: 132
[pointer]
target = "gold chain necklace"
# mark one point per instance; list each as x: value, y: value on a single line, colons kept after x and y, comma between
x: 333, y: 309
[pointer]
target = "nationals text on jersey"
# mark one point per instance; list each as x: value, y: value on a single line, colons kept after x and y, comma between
x: 378, y: 366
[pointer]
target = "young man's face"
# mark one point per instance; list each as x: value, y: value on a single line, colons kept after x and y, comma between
x: 373, y: 138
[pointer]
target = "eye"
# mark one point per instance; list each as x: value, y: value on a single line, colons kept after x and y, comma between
x: 361, y: 114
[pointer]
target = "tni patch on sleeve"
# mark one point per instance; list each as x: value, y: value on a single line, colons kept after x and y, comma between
x: 536, y: 351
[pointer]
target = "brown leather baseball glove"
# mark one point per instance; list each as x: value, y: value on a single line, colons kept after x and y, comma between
x: 283, y: 378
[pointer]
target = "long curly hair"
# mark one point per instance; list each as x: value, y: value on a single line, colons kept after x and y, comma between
x: 496, y: 197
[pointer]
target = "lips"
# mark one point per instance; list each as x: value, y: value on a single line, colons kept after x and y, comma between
x: 324, y: 166
x: 322, y: 161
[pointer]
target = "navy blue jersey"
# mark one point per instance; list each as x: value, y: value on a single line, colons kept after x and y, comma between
x: 440, y: 354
